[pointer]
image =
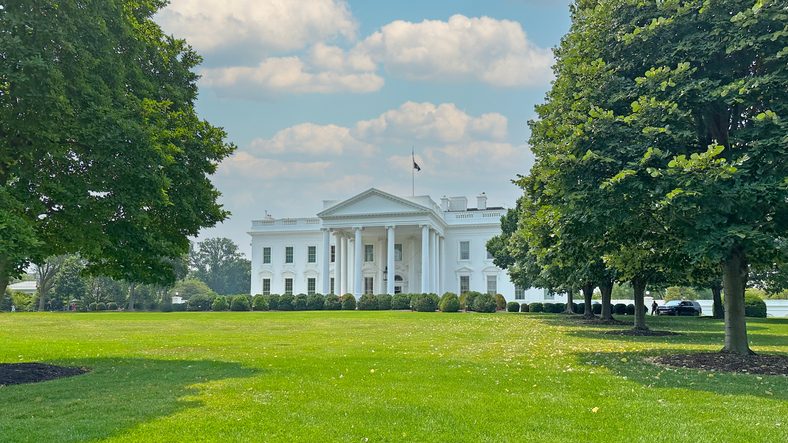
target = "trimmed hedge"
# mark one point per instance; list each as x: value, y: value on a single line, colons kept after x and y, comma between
x: 449, y: 302
x: 367, y: 302
x: 285, y: 302
x: 384, y: 301
x: 467, y: 299
x: 273, y: 301
x: 315, y: 302
x: 500, y: 302
x: 524, y: 307
x: 332, y: 303
x: 754, y: 306
x: 239, y: 303
x: 513, y: 306
x: 259, y: 303
x: 176, y: 307
x: 536, y: 307
x: 596, y: 308
x: 400, y: 301
x: 485, y: 303
x: 620, y: 309
x: 299, y: 302
x: 219, y: 304
x: 200, y: 302
x: 112, y: 306
x: 348, y: 302
x: 424, y: 302
x: 630, y: 309
x: 581, y: 308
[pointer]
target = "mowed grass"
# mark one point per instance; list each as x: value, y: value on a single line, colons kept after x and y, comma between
x: 379, y: 376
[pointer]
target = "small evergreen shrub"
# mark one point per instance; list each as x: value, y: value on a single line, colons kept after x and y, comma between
x: 500, y: 302
x: 536, y: 307
x: 260, y: 303
x: 239, y: 303
x: 299, y: 302
x: 620, y: 309
x: 273, y: 301
x: 424, y: 303
x: 400, y: 301
x: 384, y: 301
x: 219, y: 304
x: 630, y: 309
x: 485, y: 303
x: 524, y: 307
x: 581, y: 308
x: 576, y: 308
x: 549, y: 307
x: 367, y: 302
x: 200, y: 302
x: 513, y: 306
x: 315, y: 302
x: 754, y: 306
x: 112, y: 306
x: 449, y: 302
x: 92, y: 306
x: 348, y: 302
x: 332, y: 303
x: 285, y: 302
x: 101, y: 306
x: 176, y: 307
x: 467, y: 300
x: 597, y: 308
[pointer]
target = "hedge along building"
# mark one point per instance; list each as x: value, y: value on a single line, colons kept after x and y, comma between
x: 376, y: 242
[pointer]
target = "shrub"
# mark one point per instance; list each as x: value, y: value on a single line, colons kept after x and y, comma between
x: 315, y: 302
x: 260, y: 303
x: 630, y: 309
x: 273, y: 301
x: 513, y: 306
x: 484, y: 303
x: 597, y: 308
x: 101, y: 306
x: 332, y: 303
x: 576, y: 308
x: 400, y: 301
x: 200, y: 302
x: 384, y: 301
x: 536, y: 307
x: 219, y: 304
x: 500, y: 302
x: 449, y: 302
x: 299, y: 302
x: 112, y: 306
x: 191, y: 287
x: 367, y: 302
x: 754, y: 306
x: 581, y: 308
x: 424, y: 303
x: 348, y: 302
x: 179, y: 307
x: 467, y: 300
x: 524, y: 307
x: 239, y: 303
x: 620, y: 309
x: 92, y: 306
x: 285, y: 302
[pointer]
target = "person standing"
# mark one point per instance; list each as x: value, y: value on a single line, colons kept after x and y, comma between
x: 654, y: 307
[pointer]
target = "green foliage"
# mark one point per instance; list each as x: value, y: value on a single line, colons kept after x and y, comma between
x: 190, y: 287
x: 384, y: 301
x: 69, y: 284
x: 630, y: 309
x: 449, y: 302
x: 500, y: 302
x: 299, y: 302
x: 679, y: 293
x: 219, y: 263
x: 620, y: 309
x: 424, y: 302
x: 536, y: 307
x: 101, y: 306
x: 367, y: 302
x: 315, y: 302
x: 273, y: 301
x: 596, y: 308
x: 754, y: 306
x: 332, y: 303
x: 240, y: 303
x: 348, y: 302
x: 200, y: 302
x: 400, y: 301
x: 112, y: 306
x: 285, y: 303
x: 260, y: 303
x: 513, y: 306
x: 467, y: 300
x: 484, y: 303
x: 524, y: 307
x: 220, y: 303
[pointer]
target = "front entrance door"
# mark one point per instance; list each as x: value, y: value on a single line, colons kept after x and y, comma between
x: 397, y: 289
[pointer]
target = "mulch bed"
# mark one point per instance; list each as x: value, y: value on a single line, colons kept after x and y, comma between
x: 641, y: 333
x: 727, y: 362
x: 18, y: 373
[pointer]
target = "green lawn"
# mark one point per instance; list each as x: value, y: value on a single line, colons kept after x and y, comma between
x: 381, y: 376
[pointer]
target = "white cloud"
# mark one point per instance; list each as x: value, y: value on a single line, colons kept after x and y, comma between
x: 484, y: 49
x: 312, y: 139
x: 245, y: 165
x: 257, y: 26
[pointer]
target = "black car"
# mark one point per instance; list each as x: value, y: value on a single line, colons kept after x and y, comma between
x: 680, y: 307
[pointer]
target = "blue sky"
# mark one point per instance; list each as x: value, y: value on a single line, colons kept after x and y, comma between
x: 324, y: 98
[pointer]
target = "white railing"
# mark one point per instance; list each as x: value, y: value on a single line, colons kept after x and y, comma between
x: 285, y: 222
x: 473, y: 216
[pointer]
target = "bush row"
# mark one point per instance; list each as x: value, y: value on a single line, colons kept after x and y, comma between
x: 578, y: 308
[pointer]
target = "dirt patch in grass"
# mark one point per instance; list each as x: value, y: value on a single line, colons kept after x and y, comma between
x: 18, y: 373
x: 641, y: 333
x: 727, y: 362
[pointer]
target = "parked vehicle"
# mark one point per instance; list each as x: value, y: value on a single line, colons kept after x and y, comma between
x: 680, y: 307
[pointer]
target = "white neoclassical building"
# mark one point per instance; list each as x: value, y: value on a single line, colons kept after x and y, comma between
x: 376, y: 242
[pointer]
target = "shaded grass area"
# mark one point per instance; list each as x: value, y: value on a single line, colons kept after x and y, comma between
x: 381, y: 376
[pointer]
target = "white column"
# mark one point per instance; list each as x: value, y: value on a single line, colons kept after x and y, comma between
x: 434, y: 260
x: 425, y: 258
x: 357, y: 259
x: 441, y: 258
x: 326, y: 258
x: 390, y: 259
x: 338, y: 256
x: 345, y: 261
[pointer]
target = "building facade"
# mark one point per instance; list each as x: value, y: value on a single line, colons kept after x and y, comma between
x: 376, y: 242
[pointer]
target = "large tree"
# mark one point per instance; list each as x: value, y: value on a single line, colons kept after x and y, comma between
x: 101, y: 151
x: 219, y: 263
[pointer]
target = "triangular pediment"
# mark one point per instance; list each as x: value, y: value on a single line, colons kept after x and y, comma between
x: 373, y: 202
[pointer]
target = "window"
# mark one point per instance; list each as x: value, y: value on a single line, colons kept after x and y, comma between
x: 369, y: 284
x: 333, y: 253
x: 310, y: 286
x: 398, y: 252
x: 331, y: 286
x: 289, y: 254
x: 289, y: 286
x: 519, y: 293
x: 369, y: 253
x: 266, y: 286
x: 266, y: 255
x: 311, y: 254
x: 492, y: 284
x: 465, y: 284
x: 465, y: 250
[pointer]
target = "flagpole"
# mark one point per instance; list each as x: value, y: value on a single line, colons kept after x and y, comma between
x: 412, y: 173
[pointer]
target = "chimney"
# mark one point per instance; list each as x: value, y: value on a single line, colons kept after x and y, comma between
x: 481, y: 201
x: 444, y: 203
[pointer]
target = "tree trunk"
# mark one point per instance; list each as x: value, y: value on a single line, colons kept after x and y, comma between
x: 588, y: 293
x: 639, y: 287
x: 131, y: 296
x: 717, y: 310
x: 606, y: 288
x: 734, y: 280
x: 3, y: 276
x: 570, y: 301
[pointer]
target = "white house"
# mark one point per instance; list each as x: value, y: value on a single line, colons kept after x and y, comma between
x: 375, y: 242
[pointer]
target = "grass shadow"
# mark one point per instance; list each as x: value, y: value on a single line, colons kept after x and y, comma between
x: 115, y: 395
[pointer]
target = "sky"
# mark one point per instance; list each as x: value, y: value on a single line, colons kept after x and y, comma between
x: 326, y: 98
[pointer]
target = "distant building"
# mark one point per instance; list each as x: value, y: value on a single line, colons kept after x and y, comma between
x: 25, y: 287
x: 376, y: 242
